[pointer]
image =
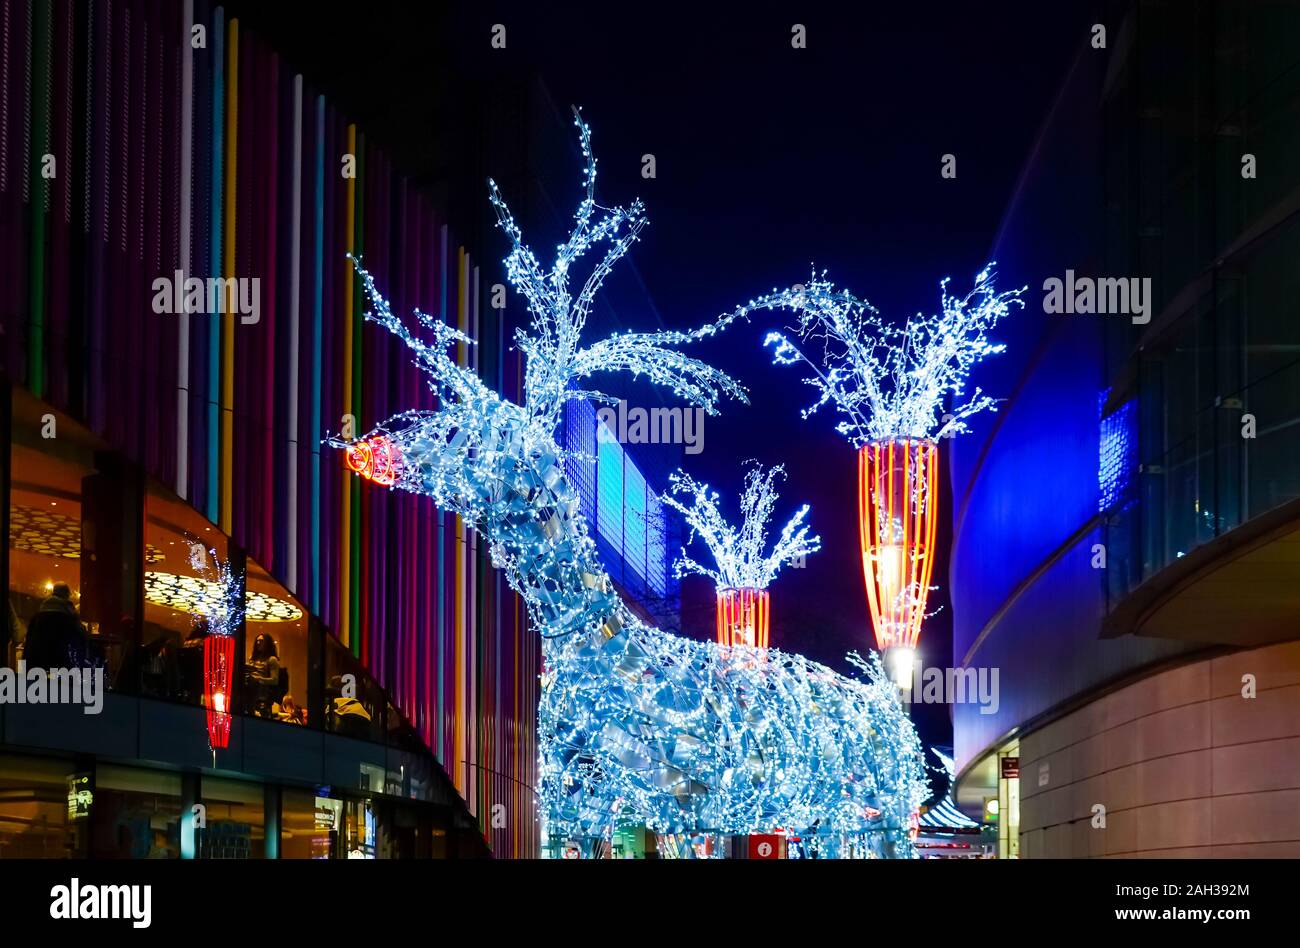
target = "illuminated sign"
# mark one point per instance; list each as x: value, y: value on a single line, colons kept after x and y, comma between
x: 80, y: 797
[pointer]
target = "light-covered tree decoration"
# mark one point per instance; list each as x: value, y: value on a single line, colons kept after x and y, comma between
x: 556, y: 359
x: 890, y: 382
x: 634, y: 725
x: 221, y: 607
x: 221, y: 610
x: 739, y: 556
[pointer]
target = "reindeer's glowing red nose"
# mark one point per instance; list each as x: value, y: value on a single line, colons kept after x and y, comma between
x: 376, y: 459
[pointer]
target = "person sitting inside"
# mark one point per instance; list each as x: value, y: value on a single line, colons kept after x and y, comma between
x: 264, y: 675
x: 55, y: 636
x: 345, y: 715
x: 288, y: 710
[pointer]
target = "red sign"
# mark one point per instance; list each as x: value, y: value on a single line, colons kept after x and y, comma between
x: 767, y: 847
x: 1010, y: 767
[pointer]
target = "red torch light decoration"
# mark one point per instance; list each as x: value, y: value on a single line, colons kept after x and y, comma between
x: 216, y: 600
x: 744, y: 567
x: 376, y: 459
x: 218, y: 665
x: 897, y: 501
x: 743, y: 615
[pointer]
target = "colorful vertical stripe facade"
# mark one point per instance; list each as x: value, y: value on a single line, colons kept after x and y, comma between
x: 179, y: 143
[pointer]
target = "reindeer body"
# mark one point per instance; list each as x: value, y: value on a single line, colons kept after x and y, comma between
x: 639, y: 725
x: 634, y: 725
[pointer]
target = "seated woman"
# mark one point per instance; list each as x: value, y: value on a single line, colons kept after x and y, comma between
x: 287, y: 710
x: 264, y: 675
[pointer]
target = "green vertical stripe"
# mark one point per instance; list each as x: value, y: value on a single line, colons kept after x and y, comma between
x: 40, y: 193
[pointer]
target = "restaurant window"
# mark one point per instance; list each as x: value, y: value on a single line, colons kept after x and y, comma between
x: 44, y: 808
x: 136, y: 814
x: 176, y: 537
x: 73, y: 523
x: 354, y: 704
x: 275, y: 659
x: 309, y: 825
x: 235, y: 811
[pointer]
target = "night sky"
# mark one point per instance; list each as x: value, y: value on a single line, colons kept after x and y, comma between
x: 768, y: 159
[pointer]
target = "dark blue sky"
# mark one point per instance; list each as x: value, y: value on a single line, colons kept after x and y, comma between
x: 768, y: 158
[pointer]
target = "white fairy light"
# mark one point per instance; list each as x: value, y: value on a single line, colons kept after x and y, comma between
x: 739, y: 554
x: 634, y: 725
x: 889, y: 382
x: 555, y: 360
x: 222, y: 605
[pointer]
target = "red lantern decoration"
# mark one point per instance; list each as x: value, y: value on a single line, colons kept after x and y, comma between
x: 218, y: 675
x: 897, y: 501
x: 743, y: 617
x: 376, y: 459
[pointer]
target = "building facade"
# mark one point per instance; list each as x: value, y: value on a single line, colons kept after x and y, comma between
x: 1127, y: 525
x: 182, y: 328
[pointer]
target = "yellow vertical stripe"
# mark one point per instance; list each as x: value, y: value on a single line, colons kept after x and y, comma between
x: 462, y: 607
x: 345, y: 500
x: 228, y: 265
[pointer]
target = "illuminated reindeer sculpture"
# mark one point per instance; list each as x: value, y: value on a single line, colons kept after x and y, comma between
x: 635, y: 726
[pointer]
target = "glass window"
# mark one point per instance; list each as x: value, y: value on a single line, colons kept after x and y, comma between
x: 70, y: 527
x: 402, y: 834
x: 359, y: 829
x: 609, y: 488
x: 137, y: 814
x: 275, y: 674
x: 308, y: 825
x: 44, y: 808
x: 170, y: 660
x: 236, y: 818
x: 349, y: 825
x: 580, y: 467
x: 354, y: 704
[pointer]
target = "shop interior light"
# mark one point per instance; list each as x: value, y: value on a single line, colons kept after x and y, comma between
x: 191, y: 593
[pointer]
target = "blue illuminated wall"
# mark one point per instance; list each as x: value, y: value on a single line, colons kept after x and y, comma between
x: 1034, y: 482
x: 1117, y: 454
x: 631, y: 525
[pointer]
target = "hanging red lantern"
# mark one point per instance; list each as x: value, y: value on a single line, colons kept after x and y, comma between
x: 897, y: 506
x: 743, y: 615
x: 218, y: 675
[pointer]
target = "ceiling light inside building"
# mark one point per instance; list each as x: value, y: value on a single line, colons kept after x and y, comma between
x: 187, y: 593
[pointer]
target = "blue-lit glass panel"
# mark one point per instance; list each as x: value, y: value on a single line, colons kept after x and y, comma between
x: 621, y: 506
x: 609, y: 488
x: 634, y: 520
x: 580, y: 438
x: 656, y: 545
x: 1117, y: 455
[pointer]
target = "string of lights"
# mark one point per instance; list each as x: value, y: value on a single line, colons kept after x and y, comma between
x: 738, y: 553
x: 889, y: 381
x: 635, y: 726
x: 220, y: 604
x: 220, y: 610
x: 890, y: 384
